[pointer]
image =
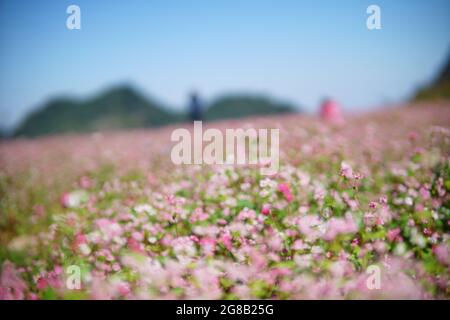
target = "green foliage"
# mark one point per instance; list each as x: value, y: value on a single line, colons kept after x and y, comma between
x: 242, y: 106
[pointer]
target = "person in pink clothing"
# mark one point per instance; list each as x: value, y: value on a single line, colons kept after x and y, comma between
x: 330, y: 110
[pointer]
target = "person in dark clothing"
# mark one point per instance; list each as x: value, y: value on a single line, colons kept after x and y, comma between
x: 195, y: 107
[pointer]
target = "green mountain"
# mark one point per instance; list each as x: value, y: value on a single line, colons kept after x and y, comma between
x: 439, y: 89
x: 238, y: 106
x: 118, y: 108
x: 123, y: 107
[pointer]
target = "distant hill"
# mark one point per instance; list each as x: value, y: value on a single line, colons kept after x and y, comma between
x: 238, y: 106
x: 123, y: 107
x: 118, y: 108
x: 439, y: 89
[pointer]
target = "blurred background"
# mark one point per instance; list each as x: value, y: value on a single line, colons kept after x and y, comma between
x: 151, y: 63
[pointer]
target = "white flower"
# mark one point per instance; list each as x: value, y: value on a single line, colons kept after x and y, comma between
x: 85, y: 250
x: 400, y: 249
x: 145, y: 208
x: 408, y: 201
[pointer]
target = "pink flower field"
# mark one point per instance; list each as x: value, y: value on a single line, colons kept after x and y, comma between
x: 364, y: 197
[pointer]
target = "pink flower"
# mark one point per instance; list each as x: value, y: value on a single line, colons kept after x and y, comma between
x: 225, y: 239
x: 198, y: 215
x: 73, y: 199
x: 58, y: 270
x: 382, y: 200
x: 109, y: 228
x: 265, y: 210
x: 338, y: 226
x: 246, y: 214
x: 427, y: 232
x: 393, y: 234
x: 123, y: 288
x: 208, y: 246
x: 134, y: 245
x: 309, y: 226
x: 424, y: 193
x: 346, y: 170
x: 138, y: 236
x: 85, y: 182
x: 42, y: 283
x: 80, y: 243
x: 12, y: 286
x: 299, y: 245
x: 442, y: 253
x: 116, y: 267
x: 285, y: 189
x: 64, y: 199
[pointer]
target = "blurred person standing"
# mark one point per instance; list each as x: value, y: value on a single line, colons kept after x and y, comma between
x: 195, y: 107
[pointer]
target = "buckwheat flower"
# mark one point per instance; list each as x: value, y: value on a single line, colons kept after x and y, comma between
x: 152, y: 240
x: 245, y: 186
x: 303, y: 209
x: 145, y: 208
x: 123, y: 288
x: 109, y: 228
x: 346, y: 170
x: 138, y: 236
x: 12, y: 281
x: 417, y: 239
x: 285, y: 189
x: 309, y: 226
x: 275, y: 243
x: 442, y: 253
x: 116, y: 267
x: 355, y: 242
x: 427, y: 232
x: 370, y: 219
x: 42, y: 283
x: 303, y: 261
x: 408, y: 201
x: 135, y: 246
x: 400, y: 249
x: 398, y: 201
x: 319, y: 193
x: 382, y: 200
x: 80, y: 244
x: 245, y: 214
x: 266, y: 183
x: 379, y: 246
x: 338, y: 226
x: 299, y: 245
x: 393, y: 234
x: 265, y: 210
x: 183, y: 246
x: 73, y: 199
x: 208, y: 246
x: 226, y: 240
x: 198, y: 215
x: 84, y: 249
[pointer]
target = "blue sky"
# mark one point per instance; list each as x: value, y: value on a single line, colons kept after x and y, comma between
x: 298, y: 51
